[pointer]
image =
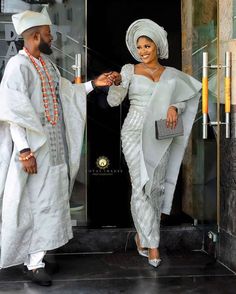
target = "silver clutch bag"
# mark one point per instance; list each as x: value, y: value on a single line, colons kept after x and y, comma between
x: 162, y: 132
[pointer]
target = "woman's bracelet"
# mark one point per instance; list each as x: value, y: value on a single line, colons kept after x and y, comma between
x: 21, y: 158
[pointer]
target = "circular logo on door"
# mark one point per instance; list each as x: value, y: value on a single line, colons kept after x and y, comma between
x: 102, y: 162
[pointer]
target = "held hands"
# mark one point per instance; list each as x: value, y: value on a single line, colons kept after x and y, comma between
x: 172, y: 117
x: 117, y: 79
x: 108, y: 79
x: 30, y: 164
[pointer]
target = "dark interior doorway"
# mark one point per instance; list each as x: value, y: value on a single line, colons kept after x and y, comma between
x: 109, y: 189
x: 108, y: 21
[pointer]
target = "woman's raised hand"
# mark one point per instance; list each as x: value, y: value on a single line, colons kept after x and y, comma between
x: 116, y: 78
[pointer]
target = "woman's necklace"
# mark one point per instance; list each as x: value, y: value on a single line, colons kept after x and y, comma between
x: 44, y: 90
x: 151, y: 70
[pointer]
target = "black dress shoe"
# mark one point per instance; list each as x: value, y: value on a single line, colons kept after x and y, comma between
x: 40, y: 277
x: 51, y: 267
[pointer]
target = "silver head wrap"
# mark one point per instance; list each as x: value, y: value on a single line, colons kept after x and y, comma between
x: 147, y: 27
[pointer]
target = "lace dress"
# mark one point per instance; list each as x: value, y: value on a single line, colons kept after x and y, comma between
x: 145, y: 210
x: 148, y: 159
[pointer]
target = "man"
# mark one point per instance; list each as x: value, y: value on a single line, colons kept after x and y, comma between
x: 44, y: 115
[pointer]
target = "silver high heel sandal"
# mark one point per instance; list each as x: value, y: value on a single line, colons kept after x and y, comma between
x: 154, y: 262
x: 142, y: 252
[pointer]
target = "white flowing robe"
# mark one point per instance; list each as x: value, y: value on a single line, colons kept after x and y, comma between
x: 35, y: 208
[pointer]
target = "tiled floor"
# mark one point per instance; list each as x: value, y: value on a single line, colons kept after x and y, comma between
x: 180, y: 273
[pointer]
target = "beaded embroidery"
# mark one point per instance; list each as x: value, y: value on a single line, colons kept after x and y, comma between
x: 44, y: 91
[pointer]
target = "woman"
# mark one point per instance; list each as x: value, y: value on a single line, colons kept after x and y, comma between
x: 155, y: 92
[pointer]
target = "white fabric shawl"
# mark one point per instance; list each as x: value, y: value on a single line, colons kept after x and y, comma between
x: 173, y: 87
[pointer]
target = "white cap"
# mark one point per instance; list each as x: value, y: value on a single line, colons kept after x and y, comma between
x: 28, y: 19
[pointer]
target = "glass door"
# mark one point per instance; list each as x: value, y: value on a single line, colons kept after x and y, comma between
x: 200, y: 165
x: 69, y: 38
x: 210, y: 31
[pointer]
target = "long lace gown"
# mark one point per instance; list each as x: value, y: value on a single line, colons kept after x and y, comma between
x: 148, y: 176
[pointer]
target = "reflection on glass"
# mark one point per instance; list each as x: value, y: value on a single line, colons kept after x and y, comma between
x: 204, y: 151
x: 68, y: 40
x: 68, y: 31
x: 234, y: 19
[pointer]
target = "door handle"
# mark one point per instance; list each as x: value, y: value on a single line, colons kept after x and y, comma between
x: 77, y: 68
x: 205, y: 94
x: 227, y: 94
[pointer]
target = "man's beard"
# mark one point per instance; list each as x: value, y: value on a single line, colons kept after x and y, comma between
x: 44, y: 47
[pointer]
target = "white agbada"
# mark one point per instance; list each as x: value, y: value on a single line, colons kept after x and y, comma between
x: 35, y: 208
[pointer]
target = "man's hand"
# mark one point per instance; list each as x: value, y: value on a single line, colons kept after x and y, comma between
x: 30, y: 165
x: 172, y: 117
x: 107, y: 79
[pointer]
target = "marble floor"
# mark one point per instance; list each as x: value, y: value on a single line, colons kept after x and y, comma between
x: 120, y: 272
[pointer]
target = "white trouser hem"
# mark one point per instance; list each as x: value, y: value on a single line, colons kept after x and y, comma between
x: 35, y: 260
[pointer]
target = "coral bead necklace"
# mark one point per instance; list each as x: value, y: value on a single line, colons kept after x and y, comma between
x: 44, y: 90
